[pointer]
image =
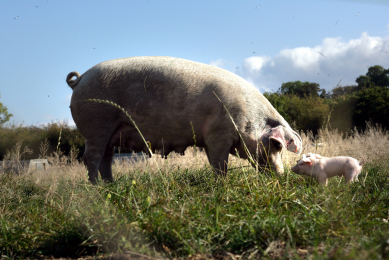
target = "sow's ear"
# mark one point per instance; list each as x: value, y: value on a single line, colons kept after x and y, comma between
x: 288, y: 138
x: 277, y: 134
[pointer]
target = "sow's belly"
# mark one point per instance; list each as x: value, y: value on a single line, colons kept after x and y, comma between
x: 163, y: 137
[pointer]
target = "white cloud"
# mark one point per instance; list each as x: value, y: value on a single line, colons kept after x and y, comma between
x: 218, y: 63
x: 325, y: 64
x: 70, y: 122
x: 50, y: 118
x: 224, y: 64
x: 254, y: 64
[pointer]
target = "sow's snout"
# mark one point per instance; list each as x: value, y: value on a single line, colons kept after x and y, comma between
x: 293, y: 141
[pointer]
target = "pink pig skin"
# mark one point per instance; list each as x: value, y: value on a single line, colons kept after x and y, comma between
x: 325, y: 168
x: 316, y: 156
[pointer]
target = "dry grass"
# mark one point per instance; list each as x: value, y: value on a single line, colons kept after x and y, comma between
x: 373, y: 144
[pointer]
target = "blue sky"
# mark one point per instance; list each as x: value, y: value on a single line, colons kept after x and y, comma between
x: 265, y: 42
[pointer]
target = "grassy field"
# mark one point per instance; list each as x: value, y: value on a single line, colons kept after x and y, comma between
x: 176, y: 208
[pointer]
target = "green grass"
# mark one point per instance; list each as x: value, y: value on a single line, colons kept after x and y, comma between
x: 189, y: 212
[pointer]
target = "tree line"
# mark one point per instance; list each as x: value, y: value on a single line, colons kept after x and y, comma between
x: 59, y: 137
x: 305, y: 105
x: 309, y: 108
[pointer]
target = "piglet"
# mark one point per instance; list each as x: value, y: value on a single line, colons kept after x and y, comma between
x: 325, y: 168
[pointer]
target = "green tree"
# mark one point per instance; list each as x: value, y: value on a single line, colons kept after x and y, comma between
x: 4, y: 115
x: 342, y: 108
x: 344, y: 91
x: 307, y: 113
x: 375, y: 76
x: 33, y: 136
x: 70, y: 137
x: 302, y: 89
x: 278, y: 101
x: 372, y: 105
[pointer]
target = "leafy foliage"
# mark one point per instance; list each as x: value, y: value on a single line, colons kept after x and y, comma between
x: 342, y: 109
x: 33, y: 136
x: 309, y: 107
x: 342, y: 91
x: 302, y: 89
x: 372, y: 105
x: 70, y: 137
x: 375, y: 76
x: 307, y: 113
x: 4, y: 115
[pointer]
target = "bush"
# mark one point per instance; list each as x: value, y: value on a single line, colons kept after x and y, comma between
x: 307, y: 114
x: 33, y: 136
x: 342, y: 112
x: 373, y: 106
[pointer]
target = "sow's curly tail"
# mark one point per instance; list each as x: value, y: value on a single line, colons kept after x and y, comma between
x: 73, y: 82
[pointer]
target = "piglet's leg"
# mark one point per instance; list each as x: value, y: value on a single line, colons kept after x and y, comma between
x: 351, y: 176
x: 322, y: 178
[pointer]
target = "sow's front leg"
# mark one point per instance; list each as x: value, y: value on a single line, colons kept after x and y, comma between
x: 217, y: 152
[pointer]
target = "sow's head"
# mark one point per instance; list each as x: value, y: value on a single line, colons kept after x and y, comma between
x: 273, y: 140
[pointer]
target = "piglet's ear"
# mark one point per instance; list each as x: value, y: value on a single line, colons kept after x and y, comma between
x: 308, y: 163
x: 306, y: 160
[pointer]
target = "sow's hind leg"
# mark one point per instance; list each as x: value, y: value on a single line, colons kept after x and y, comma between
x: 105, y: 167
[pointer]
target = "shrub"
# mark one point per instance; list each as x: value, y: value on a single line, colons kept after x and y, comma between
x: 33, y: 136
